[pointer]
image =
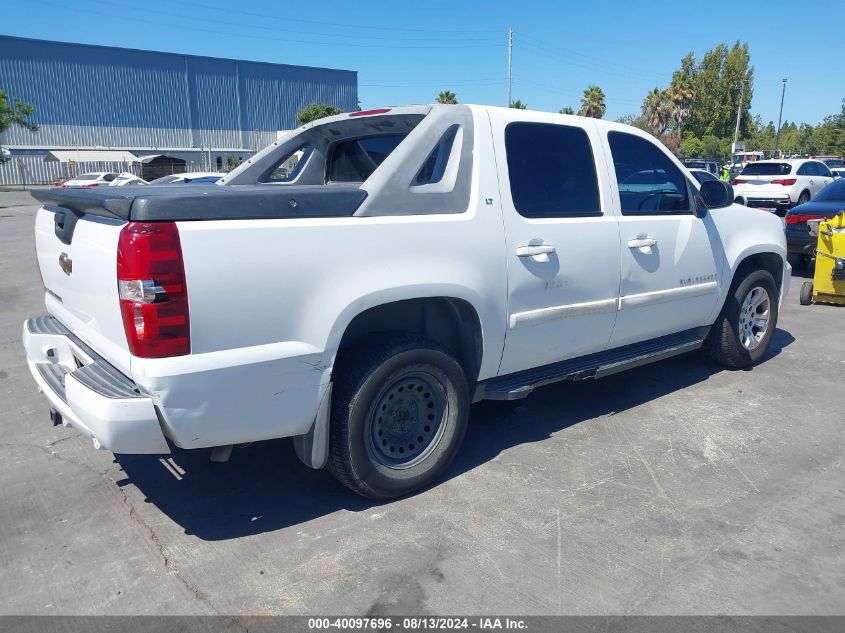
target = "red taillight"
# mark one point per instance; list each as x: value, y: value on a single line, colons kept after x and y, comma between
x: 151, y: 286
x: 369, y: 112
x: 786, y: 182
x: 797, y: 218
x: 737, y: 181
x: 90, y: 184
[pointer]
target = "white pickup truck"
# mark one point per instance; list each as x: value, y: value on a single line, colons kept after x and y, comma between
x: 360, y: 282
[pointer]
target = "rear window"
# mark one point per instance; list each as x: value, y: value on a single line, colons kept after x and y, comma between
x: 164, y: 180
x: 834, y: 192
x: 356, y: 159
x: 767, y: 169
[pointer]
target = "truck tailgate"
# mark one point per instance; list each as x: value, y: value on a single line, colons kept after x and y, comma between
x: 77, y: 256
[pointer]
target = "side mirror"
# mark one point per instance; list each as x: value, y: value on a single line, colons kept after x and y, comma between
x: 716, y: 194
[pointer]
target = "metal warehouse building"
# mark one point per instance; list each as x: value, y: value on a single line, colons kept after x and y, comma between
x: 100, y: 108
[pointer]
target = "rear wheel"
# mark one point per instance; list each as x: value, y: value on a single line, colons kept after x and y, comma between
x: 806, y: 296
x: 741, y: 334
x: 804, y: 197
x: 400, y: 407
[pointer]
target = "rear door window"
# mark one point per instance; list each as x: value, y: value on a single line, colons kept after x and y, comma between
x: 649, y: 182
x: 552, y: 171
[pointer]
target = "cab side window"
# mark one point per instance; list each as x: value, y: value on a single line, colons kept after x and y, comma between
x: 649, y: 182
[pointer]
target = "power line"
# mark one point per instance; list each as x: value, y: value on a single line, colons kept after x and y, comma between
x: 270, y: 38
x: 588, y: 59
x: 593, y: 67
x: 342, y: 25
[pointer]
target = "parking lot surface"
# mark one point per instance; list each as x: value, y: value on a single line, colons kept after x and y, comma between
x: 677, y: 488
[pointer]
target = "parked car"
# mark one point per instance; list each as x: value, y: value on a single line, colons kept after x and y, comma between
x: 800, y: 245
x: 702, y: 175
x: 834, y: 162
x: 710, y: 166
x: 195, y: 177
x: 127, y: 179
x: 87, y: 181
x: 780, y: 184
x: 412, y: 261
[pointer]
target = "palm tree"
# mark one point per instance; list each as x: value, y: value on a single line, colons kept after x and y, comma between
x: 680, y: 93
x: 519, y: 105
x: 447, y: 96
x: 592, y: 103
x: 657, y: 111
x: 567, y: 110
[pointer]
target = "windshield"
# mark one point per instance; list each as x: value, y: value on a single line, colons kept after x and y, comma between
x: 87, y: 177
x: 767, y: 169
x: 834, y: 192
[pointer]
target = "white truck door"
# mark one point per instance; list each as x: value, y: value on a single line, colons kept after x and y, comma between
x: 562, y: 246
x: 670, y: 257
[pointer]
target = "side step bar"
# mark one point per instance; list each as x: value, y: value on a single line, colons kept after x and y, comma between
x: 522, y: 383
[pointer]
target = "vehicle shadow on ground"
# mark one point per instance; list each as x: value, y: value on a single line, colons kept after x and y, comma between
x: 265, y: 488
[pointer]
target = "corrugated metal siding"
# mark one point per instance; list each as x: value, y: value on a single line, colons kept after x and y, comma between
x: 91, y: 96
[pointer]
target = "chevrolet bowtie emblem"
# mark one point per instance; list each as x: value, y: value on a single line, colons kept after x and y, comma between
x: 66, y: 263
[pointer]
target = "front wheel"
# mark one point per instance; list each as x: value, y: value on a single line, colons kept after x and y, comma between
x: 400, y: 408
x: 741, y: 334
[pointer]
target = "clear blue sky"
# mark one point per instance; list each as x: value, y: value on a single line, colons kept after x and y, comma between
x: 405, y: 52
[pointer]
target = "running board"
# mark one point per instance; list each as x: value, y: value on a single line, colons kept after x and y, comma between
x: 522, y: 383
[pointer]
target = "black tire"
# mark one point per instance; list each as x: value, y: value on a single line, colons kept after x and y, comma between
x: 724, y: 344
x: 806, y: 296
x: 420, y: 374
x: 804, y: 197
x: 739, y: 200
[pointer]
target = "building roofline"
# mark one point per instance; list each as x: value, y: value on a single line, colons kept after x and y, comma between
x: 142, y: 50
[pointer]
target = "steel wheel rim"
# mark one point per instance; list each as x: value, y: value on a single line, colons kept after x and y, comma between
x: 407, y: 421
x: 754, y: 318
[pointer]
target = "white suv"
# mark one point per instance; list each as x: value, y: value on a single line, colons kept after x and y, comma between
x: 780, y: 184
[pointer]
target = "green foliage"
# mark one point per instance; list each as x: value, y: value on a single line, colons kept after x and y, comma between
x: 567, y: 110
x: 447, y: 96
x: 14, y: 112
x: 592, y: 103
x: 519, y: 105
x: 315, y: 111
x: 232, y: 162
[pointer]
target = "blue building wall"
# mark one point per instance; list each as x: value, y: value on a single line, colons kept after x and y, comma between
x: 96, y: 96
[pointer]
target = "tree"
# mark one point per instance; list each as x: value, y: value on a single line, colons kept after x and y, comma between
x: 519, y: 105
x: 657, y: 111
x: 232, y: 162
x: 314, y: 111
x: 567, y: 110
x: 681, y: 93
x: 14, y: 112
x: 592, y: 103
x: 447, y: 96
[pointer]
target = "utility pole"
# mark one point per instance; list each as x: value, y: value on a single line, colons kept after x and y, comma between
x: 738, y: 113
x: 510, y: 64
x: 780, y: 117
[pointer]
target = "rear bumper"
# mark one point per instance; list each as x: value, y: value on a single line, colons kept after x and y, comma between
x: 767, y: 201
x: 801, y: 244
x: 91, y: 394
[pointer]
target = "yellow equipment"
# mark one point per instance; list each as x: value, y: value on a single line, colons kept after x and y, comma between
x: 828, y: 285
